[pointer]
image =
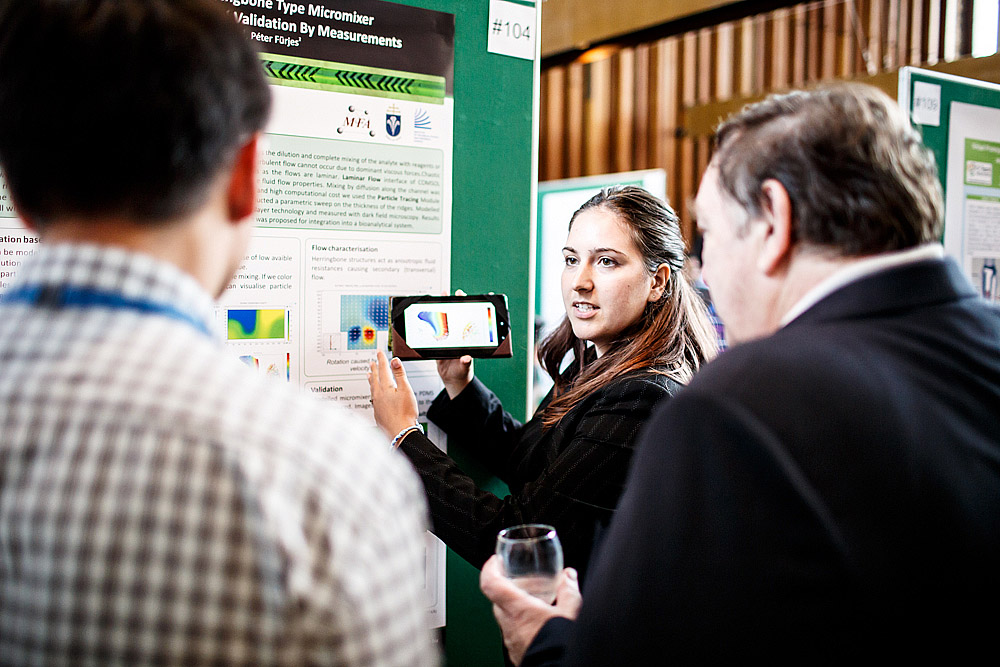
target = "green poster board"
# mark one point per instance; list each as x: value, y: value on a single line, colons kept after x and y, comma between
x: 959, y: 120
x: 917, y: 88
x: 492, y: 240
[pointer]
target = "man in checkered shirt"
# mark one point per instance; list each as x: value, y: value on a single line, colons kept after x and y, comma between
x: 160, y: 504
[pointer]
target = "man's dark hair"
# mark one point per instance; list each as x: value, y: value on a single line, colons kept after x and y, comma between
x: 123, y: 108
x: 859, y: 178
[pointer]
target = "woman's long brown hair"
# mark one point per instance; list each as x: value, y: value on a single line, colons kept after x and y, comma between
x: 673, y: 337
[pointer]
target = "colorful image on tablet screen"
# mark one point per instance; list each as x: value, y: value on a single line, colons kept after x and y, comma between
x: 444, y: 325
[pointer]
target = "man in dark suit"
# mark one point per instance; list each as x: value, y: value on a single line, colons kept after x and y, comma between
x: 829, y: 488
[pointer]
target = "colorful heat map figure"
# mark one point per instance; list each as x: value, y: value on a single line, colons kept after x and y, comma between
x: 361, y: 338
x: 256, y: 324
x: 280, y: 366
x: 470, y: 331
x: 438, y: 322
x: 362, y: 316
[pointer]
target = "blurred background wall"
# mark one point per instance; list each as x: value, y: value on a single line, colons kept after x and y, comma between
x: 640, y: 84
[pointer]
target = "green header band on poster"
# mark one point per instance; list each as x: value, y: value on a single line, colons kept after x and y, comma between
x: 353, y: 79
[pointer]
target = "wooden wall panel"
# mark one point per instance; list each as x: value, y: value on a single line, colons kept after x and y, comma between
x: 831, y: 41
x: 799, y: 31
x: 850, y: 42
x: 623, y: 106
x: 781, y: 49
x: 918, y: 31
x: 890, y: 27
x: 861, y: 56
x: 661, y: 76
x: 689, y: 98
x: 906, y: 35
x: 642, y: 130
x: 653, y: 104
x: 876, y: 31
x: 814, y: 30
x: 935, y: 34
x: 545, y: 134
x: 949, y: 40
x: 963, y: 27
x: 597, y: 117
x: 747, y: 58
x: 762, y: 44
x: 706, y: 69
x: 552, y: 139
x: 668, y: 99
x: 707, y: 91
x: 574, y: 122
x: 725, y: 61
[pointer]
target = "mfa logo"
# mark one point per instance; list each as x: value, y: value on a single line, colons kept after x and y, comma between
x: 393, y: 121
x: 356, y: 121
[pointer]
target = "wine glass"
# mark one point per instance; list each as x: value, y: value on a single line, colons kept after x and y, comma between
x: 532, y: 558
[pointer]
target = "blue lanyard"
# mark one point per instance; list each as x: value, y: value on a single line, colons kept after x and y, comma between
x: 65, y: 296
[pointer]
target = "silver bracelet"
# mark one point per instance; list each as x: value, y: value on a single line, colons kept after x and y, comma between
x: 402, y: 434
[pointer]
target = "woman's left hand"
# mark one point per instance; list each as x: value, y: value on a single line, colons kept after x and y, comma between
x: 393, y: 400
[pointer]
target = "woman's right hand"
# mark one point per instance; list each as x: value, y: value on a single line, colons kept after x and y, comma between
x: 393, y: 401
x: 456, y: 374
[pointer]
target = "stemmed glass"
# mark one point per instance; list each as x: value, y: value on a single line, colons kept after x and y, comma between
x: 532, y: 558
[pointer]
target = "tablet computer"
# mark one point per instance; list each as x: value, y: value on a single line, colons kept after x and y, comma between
x: 448, y: 327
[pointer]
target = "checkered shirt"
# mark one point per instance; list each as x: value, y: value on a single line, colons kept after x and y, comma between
x: 161, y: 504
x: 720, y: 329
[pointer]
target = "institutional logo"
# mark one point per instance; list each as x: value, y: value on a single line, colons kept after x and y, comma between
x: 423, y: 127
x: 422, y: 120
x: 356, y: 121
x: 393, y: 121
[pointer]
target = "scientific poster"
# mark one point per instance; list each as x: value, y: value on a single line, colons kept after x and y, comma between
x: 972, y: 230
x: 16, y: 242
x: 355, y: 199
x: 354, y: 206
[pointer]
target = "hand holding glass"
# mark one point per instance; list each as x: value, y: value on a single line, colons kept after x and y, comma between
x: 532, y: 558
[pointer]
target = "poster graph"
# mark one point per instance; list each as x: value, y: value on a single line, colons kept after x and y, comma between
x: 361, y: 318
x: 257, y: 324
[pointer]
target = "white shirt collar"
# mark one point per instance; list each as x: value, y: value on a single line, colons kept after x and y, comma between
x: 860, y: 269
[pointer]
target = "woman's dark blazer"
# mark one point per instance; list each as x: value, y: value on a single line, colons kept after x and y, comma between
x: 570, y: 475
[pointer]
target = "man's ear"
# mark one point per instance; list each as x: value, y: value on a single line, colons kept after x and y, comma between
x: 242, y: 190
x: 776, y: 243
x: 659, y: 282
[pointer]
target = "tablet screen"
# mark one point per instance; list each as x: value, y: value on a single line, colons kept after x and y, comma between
x: 450, y: 325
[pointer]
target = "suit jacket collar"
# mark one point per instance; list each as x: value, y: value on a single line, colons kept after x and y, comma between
x: 912, y: 285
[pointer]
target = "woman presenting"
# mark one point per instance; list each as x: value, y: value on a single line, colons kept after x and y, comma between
x: 637, y: 331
